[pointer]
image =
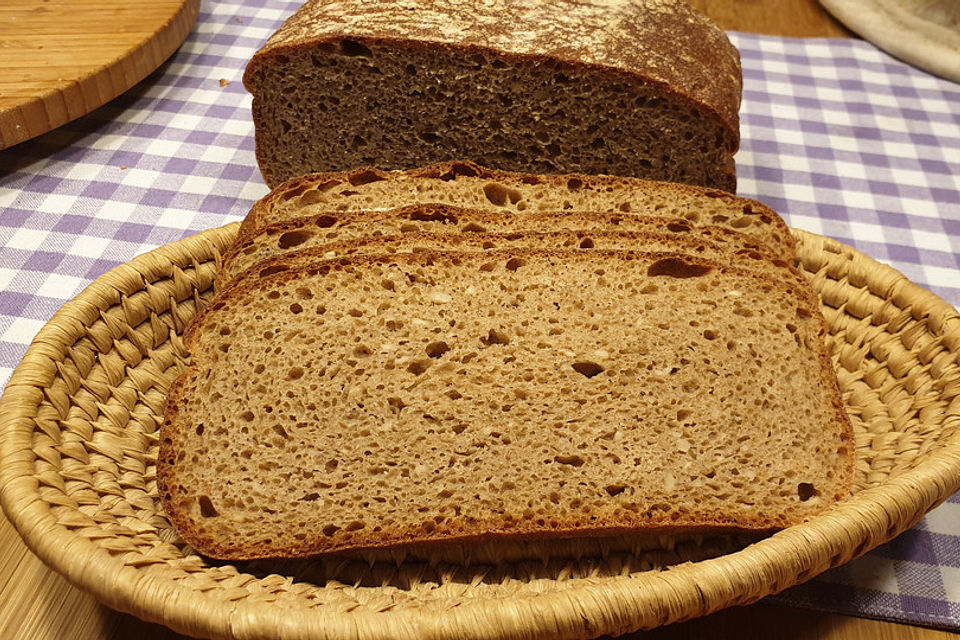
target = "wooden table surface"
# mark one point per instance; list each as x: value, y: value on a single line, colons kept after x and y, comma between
x: 38, y: 604
x: 61, y: 59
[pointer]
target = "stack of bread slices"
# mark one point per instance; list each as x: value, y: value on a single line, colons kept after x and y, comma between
x: 453, y: 353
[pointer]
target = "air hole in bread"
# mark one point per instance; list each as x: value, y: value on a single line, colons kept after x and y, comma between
x: 805, y: 491
x: 269, y: 271
x: 429, y: 137
x: 280, y: 431
x: 679, y: 227
x: 356, y: 525
x: 199, y: 429
x: 437, y: 349
x: 587, y: 369
x: 573, y: 461
x: 207, y: 509
x: 354, y: 49
x: 364, y: 177
x: 418, y: 366
x: 293, y: 238
x: 362, y: 351
x: 677, y: 268
x: 614, y: 489
x: 496, y: 194
x: 803, y: 313
x: 295, y: 373
x: 586, y: 243
x: 515, y: 263
x: 473, y: 227
x: 296, y: 308
x: 495, y: 337
x: 356, y: 313
x: 314, y: 196
x: 396, y: 404
x: 709, y: 334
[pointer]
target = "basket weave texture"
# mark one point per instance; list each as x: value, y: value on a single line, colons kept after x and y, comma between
x: 78, y: 445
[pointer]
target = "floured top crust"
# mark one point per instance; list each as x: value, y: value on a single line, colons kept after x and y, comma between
x: 660, y: 41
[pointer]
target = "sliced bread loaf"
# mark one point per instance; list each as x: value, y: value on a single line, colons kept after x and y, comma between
x: 343, y: 226
x: 464, y: 184
x: 374, y: 401
x: 745, y: 258
x: 645, y: 88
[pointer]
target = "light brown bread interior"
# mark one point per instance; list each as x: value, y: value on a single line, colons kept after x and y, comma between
x: 546, y: 87
x: 343, y: 226
x: 692, y: 245
x: 468, y: 185
x: 372, y: 401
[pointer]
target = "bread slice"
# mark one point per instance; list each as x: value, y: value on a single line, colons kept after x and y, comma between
x: 745, y: 258
x: 467, y: 185
x: 376, y: 401
x: 645, y: 88
x: 343, y: 226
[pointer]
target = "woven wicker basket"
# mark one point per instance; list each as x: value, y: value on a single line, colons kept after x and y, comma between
x: 78, y: 423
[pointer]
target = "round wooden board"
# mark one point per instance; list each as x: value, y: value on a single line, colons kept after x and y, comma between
x: 62, y: 59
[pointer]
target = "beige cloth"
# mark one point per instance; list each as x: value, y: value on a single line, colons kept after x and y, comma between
x: 924, y: 33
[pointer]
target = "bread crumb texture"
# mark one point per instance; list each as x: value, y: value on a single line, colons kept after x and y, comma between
x: 645, y: 88
x: 330, y: 231
x: 468, y: 185
x: 374, y: 401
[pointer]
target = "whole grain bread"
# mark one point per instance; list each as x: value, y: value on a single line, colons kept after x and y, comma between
x: 343, y: 226
x: 648, y: 242
x: 375, y: 401
x: 633, y: 87
x: 468, y: 185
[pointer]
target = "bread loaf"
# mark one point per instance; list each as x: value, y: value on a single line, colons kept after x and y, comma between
x: 468, y: 185
x: 343, y: 226
x: 632, y: 87
x: 374, y: 401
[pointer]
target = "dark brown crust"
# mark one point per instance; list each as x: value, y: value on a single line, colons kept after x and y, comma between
x: 661, y: 42
x: 804, y: 296
x: 454, y: 169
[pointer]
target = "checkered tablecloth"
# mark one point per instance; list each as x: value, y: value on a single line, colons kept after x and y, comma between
x: 839, y: 137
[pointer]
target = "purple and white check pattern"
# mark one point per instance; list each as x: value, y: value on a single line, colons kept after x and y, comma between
x: 840, y: 138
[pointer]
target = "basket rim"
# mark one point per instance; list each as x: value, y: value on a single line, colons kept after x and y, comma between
x: 597, y: 606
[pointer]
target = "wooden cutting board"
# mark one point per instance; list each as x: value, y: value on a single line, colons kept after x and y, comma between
x: 61, y: 59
